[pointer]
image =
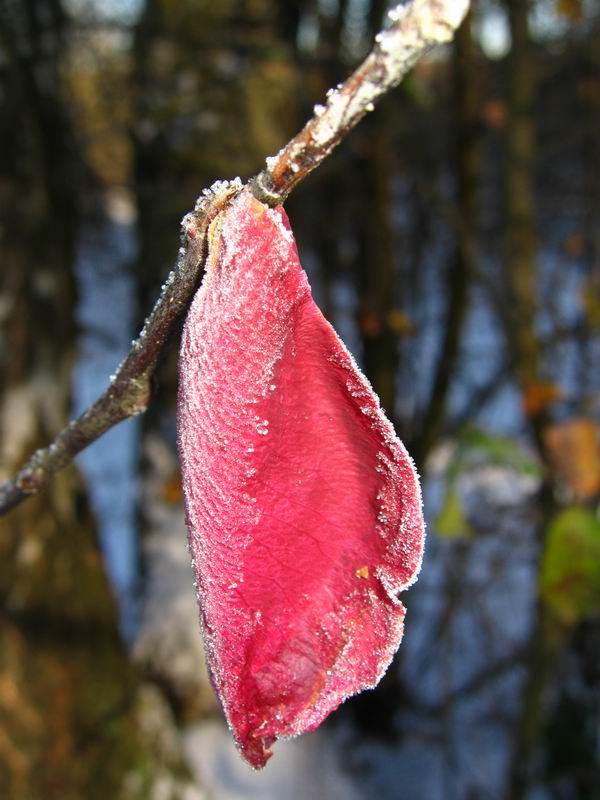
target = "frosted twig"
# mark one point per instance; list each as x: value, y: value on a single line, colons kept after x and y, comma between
x: 414, y: 30
x: 128, y: 392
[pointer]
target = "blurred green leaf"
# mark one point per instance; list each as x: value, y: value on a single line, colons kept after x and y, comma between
x: 451, y: 521
x: 570, y: 574
x: 480, y: 446
x: 477, y: 447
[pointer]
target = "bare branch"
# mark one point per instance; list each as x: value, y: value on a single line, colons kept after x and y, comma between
x: 128, y: 392
x: 415, y: 29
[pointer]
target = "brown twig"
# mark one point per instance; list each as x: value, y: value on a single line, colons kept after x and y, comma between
x: 128, y: 392
x: 414, y: 30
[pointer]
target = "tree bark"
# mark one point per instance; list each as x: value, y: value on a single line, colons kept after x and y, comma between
x: 71, y: 705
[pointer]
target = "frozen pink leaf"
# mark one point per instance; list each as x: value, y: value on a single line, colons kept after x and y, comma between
x: 303, y: 507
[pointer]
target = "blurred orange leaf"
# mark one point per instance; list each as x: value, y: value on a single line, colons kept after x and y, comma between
x: 588, y: 88
x: 369, y: 324
x: 172, y: 492
x: 571, y: 9
x: 575, y: 244
x: 400, y: 323
x: 495, y: 112
x: 538, y: 396
x: 573, y: 451
x: 590, y: 298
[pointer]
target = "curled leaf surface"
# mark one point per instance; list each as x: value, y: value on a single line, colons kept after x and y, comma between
x: 303, y: 507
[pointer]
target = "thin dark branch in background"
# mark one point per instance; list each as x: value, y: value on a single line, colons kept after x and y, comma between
x: 464, y: 257
x: 479, y: 398
x: 492, y: 673
x: 415, y: 29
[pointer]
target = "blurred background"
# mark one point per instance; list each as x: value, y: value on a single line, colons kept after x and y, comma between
x: 454, y: 242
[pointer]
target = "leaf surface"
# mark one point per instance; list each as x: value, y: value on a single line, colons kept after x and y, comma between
x: 303, y: 507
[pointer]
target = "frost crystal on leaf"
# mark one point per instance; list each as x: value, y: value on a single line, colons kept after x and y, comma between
x: 303, y: 507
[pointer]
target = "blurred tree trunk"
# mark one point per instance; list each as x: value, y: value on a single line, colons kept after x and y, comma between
x: 466, y: 140
x: 377, y: 261
x: 520, y: 201
x: 69, y: 700
x: 521, y: 251
x: 376, y: 256
x: 329, y: 222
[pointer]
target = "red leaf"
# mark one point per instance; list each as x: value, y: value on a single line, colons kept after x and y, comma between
x: 303, y: 508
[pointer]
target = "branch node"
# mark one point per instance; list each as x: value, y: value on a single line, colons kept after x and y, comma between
x: 261, y: 188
